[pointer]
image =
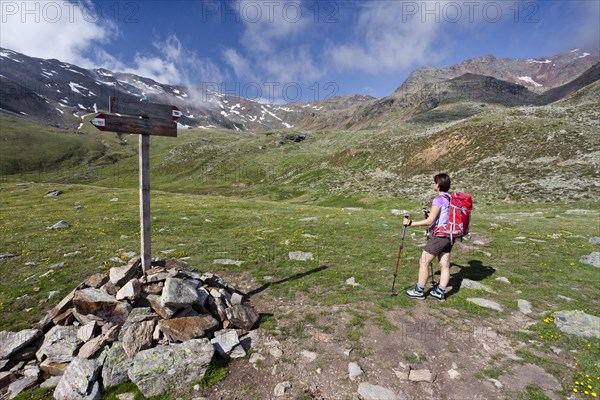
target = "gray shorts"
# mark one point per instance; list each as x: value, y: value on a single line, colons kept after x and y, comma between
x: 437, y: 245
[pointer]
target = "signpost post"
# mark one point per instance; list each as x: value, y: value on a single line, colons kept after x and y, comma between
x: 145, y: 119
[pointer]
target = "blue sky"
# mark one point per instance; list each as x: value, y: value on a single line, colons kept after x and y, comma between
x: 289, y: 50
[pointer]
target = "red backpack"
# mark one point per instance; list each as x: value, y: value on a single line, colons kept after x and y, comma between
x: 458, y: 218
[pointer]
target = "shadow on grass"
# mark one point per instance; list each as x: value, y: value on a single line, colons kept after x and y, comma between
x: 289, y: 278
x: 475, y: 271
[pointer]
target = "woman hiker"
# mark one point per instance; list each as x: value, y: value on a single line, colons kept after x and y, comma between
x: 437, y: 246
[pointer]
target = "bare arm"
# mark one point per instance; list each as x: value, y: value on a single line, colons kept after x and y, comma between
x: 433, y: 214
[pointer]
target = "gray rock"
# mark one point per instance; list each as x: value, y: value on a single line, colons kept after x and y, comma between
x: 130, y: 291
x: 238, y: 352
x: 99, y: 303
x: 368, y: 391
x: 11, y: 342
x: 224, y: 341
x: 51, y: 382
x: 60, y: 225
x: 123, y: 274
x: 485, y: 303
x: 474, y: 285
x: 157, y: 305
x: 281, y: 388
x: 6, y: 378
x: 300, y: 255
x: 227, y: 261
x: 565, y: 298
x: 51, y: 193
x: 420, y: 375
x: 126, y: 396
x: 161, y: 369
x: 87, y: 331
x: 595, y: 240
x: 496, y: 383
x: 79, y: 381
x: 524, y: 306
x: 54, y: 368
x: 242, y: 316
x: 22, y: 384
x: 60, y: 344
x: 7, y: 255
x: 503, y: 280
x: 578, y: 323
x: 187, y: 328
x: 309, y: 355
x: 453, y: 374
x: 179, y: 293
x: 96, y: 280
x: 351, y: 281
x: 592, y: 259
x: 354, y: 371
x: 114, y: 371
x: 236, y: 299
x: 138, y: 336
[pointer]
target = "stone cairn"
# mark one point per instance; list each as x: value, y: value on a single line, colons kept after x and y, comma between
x: 159, y: 331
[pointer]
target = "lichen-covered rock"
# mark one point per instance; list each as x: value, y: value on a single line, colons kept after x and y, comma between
x: 60, y: 344
x: 121, y: 275
x: 156, y: 371
x: 179, y: 293
x: 80, y: 380
x: 242, y: 316
x: 137, y: 336
x: 102, y: 304
x: 114, y: 371
x: 578, y: 323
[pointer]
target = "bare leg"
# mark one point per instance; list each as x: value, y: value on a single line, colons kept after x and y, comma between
x: 444, y: 269
x: 424, y: 262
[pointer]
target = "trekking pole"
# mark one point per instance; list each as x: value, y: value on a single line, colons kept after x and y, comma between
x: 394, y: 292
x: 433, y: 282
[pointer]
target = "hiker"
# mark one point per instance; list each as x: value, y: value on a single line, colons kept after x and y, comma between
x: 437, y: 246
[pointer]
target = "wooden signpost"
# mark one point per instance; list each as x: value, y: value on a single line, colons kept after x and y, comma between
x: 145, y: 119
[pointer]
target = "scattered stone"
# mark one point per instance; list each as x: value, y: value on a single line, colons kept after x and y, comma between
x: 503, y: 280
x: 367, y: 391
x: 224, y: 341
x: 578, y: 323
x: 309, y: 355
x: 114, y: 199
x: 238, y: 352
x: 11, y: 342
x: 496, y: 383
x: 579, y: 211
x: 308, y: 219
x: 227, y: 261
x: 565, y: 298
x: 7, y: 255
x: 158, y: 370
x: 74, y: 253
x: 300, y: 256
x: 454, y: 374
x: 474, y: 285
x: 126, y: 396
x: 52, y: 193
x: 485, y: 303
x: 401, y: 374
x: 399, y: 212
x: 592, y: 259
x: 60, y: 344
x: 420, y: 375
x: 78, y: 207
x: 96, y: 280
x: 182, y: 329
x: 524, y: 306
x: 354, y: 371
x: 352, y: 282
x: 60, y: 225
x: 256, y: 357
x: 352, y: 209
x: 281, y: 388
x: 22, y: 384
x: 595, y: 241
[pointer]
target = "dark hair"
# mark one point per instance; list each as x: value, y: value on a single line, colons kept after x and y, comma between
x: 443, y: 181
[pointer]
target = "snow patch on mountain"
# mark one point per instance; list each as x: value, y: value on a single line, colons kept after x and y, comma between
x: 529, y: 80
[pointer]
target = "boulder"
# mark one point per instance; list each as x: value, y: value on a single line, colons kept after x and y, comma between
x: 591, y: 259
x: 578, y: 323
x: 121, y: 275
x: 137, y: 336
x: 158, y: 370
x: 80, y: 380
x: 55, y: 368
x: 96, y: 280
x: 60, y: 344
x: 354, y: 371
x: 485, y: 303
x: 182, y: 329
x: 242, y: 316
x: 114, y: 371
x: 11, y: 342
x: 179, y: 293
x: 101, y: 304
x: 87, y: 331
x: 6, y: 378
x: 65, y: 304
x: 60, y: 225
x: 224, y: 341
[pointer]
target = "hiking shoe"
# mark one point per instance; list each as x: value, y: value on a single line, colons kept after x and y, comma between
x: 415, y: 293
x: 438, y: 294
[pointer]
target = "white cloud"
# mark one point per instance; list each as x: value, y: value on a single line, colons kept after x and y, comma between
x: 62, y: 30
